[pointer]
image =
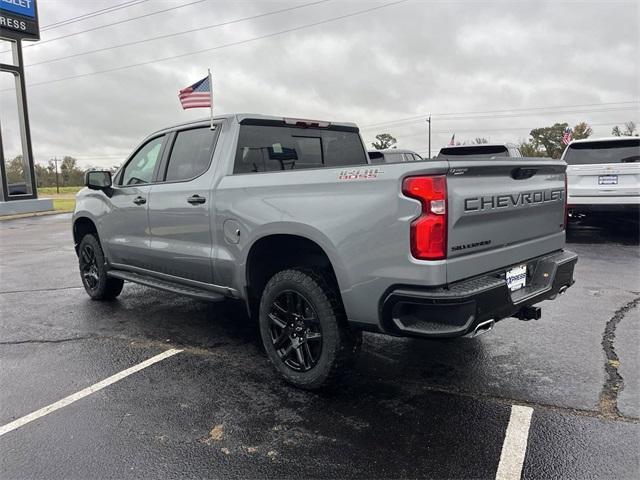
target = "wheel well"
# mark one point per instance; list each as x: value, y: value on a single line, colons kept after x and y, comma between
x: 81, y: 227
x: 274, y: 253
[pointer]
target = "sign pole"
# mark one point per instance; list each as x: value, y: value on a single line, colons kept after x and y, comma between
x: 18, y: 23
x: 28, y: 189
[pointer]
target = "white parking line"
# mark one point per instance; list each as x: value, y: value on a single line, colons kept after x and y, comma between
x: 83, y: 393
x: 515, y: 444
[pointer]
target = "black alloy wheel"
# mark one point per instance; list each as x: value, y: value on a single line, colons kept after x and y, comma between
x: 93, y: 270
x: 295, y: 331
x: 304, y: 328
x: 89, y: 267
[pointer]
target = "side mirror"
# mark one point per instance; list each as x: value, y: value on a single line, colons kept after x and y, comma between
x: 98, y: 179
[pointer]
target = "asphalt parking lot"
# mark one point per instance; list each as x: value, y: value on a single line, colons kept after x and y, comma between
x: 411, y: 409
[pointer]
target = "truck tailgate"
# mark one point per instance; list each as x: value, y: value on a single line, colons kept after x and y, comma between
x: 604, y: 180
x: 502, y: 211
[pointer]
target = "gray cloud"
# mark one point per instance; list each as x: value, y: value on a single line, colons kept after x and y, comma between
x: 405, y: 60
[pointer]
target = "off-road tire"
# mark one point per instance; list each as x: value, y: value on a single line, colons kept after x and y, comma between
x: 97, y: 284
x: 340, y: 344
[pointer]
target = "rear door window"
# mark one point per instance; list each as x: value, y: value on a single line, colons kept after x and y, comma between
x: 272, y: 148
x: 191, y: 154
x: 605, y: 151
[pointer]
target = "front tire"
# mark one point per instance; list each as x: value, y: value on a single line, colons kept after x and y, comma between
x: 93, y: 271
x: 304, y: 329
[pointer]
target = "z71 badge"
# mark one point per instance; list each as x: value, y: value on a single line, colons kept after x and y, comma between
x: 359, y: 174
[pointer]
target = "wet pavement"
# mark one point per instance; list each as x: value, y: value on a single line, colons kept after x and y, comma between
x: 410, y: 409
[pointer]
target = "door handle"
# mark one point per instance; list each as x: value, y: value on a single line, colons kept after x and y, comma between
x: 196, y: 199
x: 140, y: 200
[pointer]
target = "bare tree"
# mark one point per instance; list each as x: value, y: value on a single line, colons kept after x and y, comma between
x: 630, y: 130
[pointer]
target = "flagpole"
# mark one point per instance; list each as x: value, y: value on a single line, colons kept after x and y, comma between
x: 210, y: 97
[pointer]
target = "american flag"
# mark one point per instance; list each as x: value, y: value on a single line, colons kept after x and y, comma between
x: 453, y: 140
x: 566, y: 137
x: 197, y: 95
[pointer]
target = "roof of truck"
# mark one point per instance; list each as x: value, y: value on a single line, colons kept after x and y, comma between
x: 394, y: 150
x: 480, y: 145
x: 254, y: 116
x: 603, y: 139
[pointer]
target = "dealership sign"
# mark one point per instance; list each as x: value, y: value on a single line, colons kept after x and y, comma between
x: 19, y: 19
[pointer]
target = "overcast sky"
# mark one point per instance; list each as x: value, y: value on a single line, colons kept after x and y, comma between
x: 403, y: 61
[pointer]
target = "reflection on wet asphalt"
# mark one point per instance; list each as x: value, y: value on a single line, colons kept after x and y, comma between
x: 410, y: 409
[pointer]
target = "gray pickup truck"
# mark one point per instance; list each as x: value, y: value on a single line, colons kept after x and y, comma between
x: 289, y: 217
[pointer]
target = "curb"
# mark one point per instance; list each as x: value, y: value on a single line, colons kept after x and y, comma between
x: 17, y: 216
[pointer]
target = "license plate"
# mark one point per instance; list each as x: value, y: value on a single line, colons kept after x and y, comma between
x: 607, y: 179
x: 517, y: 277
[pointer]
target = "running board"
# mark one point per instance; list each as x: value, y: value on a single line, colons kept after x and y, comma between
x: 153, y: 282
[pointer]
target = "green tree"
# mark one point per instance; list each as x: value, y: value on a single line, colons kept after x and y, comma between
x: 581, y: 130
x: 529, y: 150
x: 629, y: 130
x: 42, y: 176
x: 46, y: 174
x: 384, y: 141
x: 70, y: 173
x: 15, y: 170
x: 549, y: 139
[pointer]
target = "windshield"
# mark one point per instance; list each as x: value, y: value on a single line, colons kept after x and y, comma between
x: 606, y: 151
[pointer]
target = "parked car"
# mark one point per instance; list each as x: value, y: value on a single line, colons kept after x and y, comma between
x: 393, y: 155
x: 604, y: 176
x: 481, y: 150
x: 18, y: 188
x: 289, y: 217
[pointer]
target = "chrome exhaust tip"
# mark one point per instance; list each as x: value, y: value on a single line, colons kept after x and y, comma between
x: 563, y: 289
x: 483, y: 327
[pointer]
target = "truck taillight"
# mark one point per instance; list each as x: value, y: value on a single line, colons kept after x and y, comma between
x: 429, y: 230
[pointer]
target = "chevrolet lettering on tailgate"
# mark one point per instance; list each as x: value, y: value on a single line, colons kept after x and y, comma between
x: 474, y: 204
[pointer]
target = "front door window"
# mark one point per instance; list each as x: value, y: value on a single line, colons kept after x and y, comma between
x: 143, y: 164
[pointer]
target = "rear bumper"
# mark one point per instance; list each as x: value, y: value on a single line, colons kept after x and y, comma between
x: 457, y: 309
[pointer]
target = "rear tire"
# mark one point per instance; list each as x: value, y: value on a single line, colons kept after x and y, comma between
x: 304, y: 329
x: 93, y: 271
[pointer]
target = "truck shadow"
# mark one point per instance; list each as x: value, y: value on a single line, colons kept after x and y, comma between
x: 603, y: 230
x: 225, y: 328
